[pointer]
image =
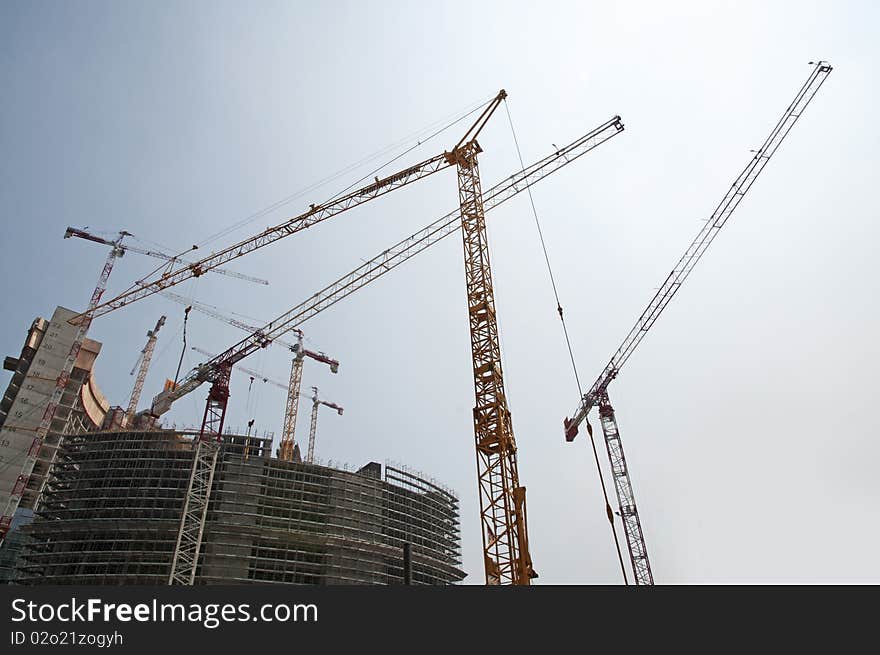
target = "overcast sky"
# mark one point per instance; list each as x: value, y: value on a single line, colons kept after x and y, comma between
x: 748, y: 414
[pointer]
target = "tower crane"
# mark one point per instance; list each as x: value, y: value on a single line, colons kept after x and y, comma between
x: 598, y: 392
x: 256, y: 375
x: 314, y: 215
x: 82, y: 328
x: 216, y: 371
x: 142, y: 366
x: 293, y: 394
x: 172, y: 259
x: 502, y: 499
x: 215, y: 313
x: 296, y: 369
x: 316, y: 402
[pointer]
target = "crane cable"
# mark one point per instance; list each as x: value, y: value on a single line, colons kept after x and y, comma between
x: 608, y: 510
x: 168, y: 266
x: 183, y: 350
x: 247, y: 402
x: 417, y: 136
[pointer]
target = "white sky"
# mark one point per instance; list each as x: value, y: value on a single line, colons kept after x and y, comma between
x: 748, y: 414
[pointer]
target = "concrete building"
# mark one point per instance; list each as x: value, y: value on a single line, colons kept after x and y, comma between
x: 34, y: 373
x: 111, y: 510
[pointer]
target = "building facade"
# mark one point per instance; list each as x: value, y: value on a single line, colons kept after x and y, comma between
x: 110, y: 513
x: 34, y: 373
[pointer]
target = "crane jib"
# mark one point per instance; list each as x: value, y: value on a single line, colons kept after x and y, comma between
x: 314, y: 215
x: 699, y: 245
x: 391, y: 258
x: 397, y: 177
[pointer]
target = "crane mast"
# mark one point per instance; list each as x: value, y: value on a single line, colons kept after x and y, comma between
x: 293, y: 394
x: 217, y: 370
x: 502, y: 498
x: 146, y: 356
x: 384, y: 262
x: 598, y: 392
x: 30, y: 459
x: 313, y: 428
x: 291, y: 409
x: 626, y: 497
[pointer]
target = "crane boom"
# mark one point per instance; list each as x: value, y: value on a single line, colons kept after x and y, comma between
x: 189, y: 536
x: 146, y: 356
x: 217, y: 371
x: 254, y: 374
x: 698, y: 246
x: 213, y: 312
x: 598, y: 393
x: 388, y: 260
x: 292, y: 389
x: 82, y: 234
x: 313, y: 216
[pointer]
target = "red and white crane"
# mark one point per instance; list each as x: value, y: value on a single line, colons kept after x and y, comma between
x: 288, y: 447
x: 255, y: 375
x: 300, y: 352
x: 82, y: 328
x: 598, y: 392
x: 216, y: 369
x: 503, y: 514
x: 171, y: 259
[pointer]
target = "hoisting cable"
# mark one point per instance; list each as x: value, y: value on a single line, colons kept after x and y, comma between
x: 410, y: 149
x: 167, y: 266
x: 608, y: 510
x: 183, y: 351
x: 247, y: 402
x: 415, y: 136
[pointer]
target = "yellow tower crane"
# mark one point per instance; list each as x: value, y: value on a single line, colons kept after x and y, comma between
x: 502, y: 498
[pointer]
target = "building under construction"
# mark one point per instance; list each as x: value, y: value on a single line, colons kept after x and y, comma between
x: 111, y: 511
x: 148, y: 506
x: 33, y: 378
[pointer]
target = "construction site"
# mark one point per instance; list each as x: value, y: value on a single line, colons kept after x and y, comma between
x: 97, y: 493
x: 112, y: 513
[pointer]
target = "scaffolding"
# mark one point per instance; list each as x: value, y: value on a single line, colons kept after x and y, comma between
x: 111, y: 510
